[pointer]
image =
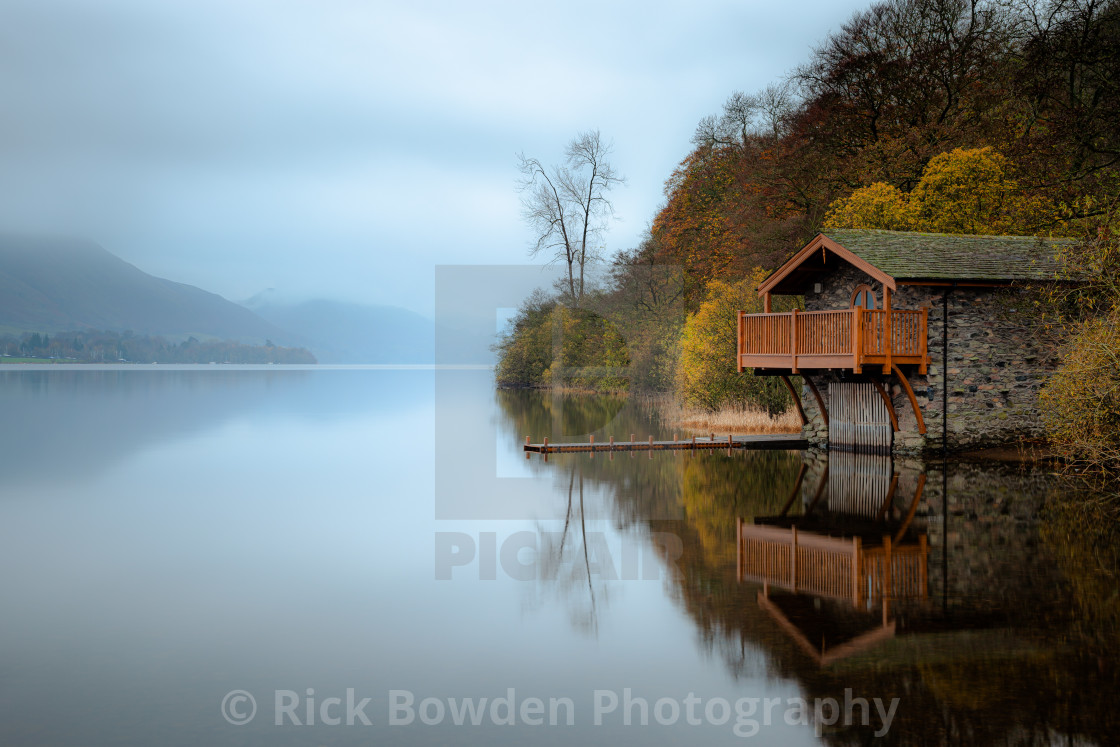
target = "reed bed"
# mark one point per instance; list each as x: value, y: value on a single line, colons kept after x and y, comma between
x: 726, y: 420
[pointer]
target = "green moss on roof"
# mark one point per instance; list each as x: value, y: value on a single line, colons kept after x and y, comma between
x: 942, y: 256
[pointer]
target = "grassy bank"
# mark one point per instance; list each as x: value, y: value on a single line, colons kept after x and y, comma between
x: 728, y: 419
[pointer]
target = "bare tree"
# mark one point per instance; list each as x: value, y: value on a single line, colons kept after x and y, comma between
x: 748, y: 117
x: 567, y: 206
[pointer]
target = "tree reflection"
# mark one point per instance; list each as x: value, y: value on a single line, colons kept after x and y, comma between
x: 1016, y: 643
x: 563, y: 553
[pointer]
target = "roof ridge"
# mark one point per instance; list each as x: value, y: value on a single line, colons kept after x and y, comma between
x: 1036, y: 237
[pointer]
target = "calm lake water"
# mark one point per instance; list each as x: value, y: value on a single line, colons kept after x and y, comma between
x: 174, y: 542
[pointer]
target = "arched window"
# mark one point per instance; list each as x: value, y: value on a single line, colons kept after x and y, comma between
x: 863, y: 296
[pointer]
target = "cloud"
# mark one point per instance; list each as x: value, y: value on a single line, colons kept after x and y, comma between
x: 344, y: 147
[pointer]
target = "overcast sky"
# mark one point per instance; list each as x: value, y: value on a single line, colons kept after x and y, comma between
x: 344, y: 148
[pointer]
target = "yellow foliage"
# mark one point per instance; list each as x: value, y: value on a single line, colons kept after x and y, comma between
x: 969, y: 191
x: 707, y: 376
x: 1081, y: 402
x: 966, y: 191
x: 1081, y: 529
x: 877, y: 206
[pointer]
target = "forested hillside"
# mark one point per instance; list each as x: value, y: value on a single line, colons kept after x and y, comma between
x: 966, y: 116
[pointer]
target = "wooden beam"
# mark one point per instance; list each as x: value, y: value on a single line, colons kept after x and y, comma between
x: 923, y: 367
x: 913, y: 401
x: 791, y: 630
x: 793, y: 493
x: 739, y: 549
x: 826, y: 245
x: 793, y: 558
x: 889, y: 499
x: 857, y: 338
x: 959, y: 284
x: 796, y: 399
x: 887, y: 580
x: 766, y: 303
x: 913, y: 508
x: 888, y: 340
x: 793, y: 341
x: 817, y: 394
x: 820, y: 491
x: 859, y: 643
x: 923, y: 548
x: 857, y: 572
x: 887, y: 401
x: 742, y: 339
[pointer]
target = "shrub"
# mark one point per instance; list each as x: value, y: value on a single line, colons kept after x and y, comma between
x: 707, y: 376
x: 1081, y: 402
x: 553, y: 345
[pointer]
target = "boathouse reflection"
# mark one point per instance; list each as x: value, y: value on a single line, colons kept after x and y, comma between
x: 850, y: 549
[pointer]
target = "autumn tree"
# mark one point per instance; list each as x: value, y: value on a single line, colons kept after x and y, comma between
x: 970, y: 191
x: 738, y: 200
x: 900, y: 81
x: 1082, y: 400
x: 1081, y: 403
x: 567, y: 206
x: 648, y: 300
x: 707, y: 375
x: 696, y: 228
x: 1068, y: 78
x: 879, y: 205
x: 964, y: 116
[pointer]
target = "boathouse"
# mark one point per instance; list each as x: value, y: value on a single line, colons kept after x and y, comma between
x: 901, y: 329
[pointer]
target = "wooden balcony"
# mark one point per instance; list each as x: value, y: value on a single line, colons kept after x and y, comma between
x: 845, y: 339
x: 830, y: 566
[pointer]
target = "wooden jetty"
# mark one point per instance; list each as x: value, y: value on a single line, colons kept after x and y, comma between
x: 767, y: 441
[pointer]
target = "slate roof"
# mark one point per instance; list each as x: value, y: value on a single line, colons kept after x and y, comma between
x: 941, y: 256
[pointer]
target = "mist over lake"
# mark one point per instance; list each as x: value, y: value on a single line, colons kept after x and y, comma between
x: 173, y: 536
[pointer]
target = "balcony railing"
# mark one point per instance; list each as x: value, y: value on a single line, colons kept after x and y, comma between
x: 846, y: 338
x: 831, y: 566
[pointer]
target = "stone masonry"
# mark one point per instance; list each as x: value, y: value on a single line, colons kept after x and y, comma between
x: 998, y: 360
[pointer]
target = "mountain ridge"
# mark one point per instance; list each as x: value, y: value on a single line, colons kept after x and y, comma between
x: 347, y: 332
x: 50, y: 284
x: 63, y: 284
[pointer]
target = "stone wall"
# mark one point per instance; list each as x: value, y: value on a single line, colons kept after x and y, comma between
x: 985, y: 551
x: 998, y: 360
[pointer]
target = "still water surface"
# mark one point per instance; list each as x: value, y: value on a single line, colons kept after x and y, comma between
x: 168, y: 537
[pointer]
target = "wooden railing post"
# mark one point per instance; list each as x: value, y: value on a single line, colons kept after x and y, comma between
x: 888, y: 337
x: 923, y: 342
x: 857, y: 338
x: 740, y: 348
x: 887, y: 567
x: 739, y: 549
x: 793, y: 560
x: 793, y: 341
x: 857, y: 588
x: 923, y: 550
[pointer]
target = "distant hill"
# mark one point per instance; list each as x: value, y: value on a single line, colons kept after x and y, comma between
x: 340, y: 332
x: 55, y: 284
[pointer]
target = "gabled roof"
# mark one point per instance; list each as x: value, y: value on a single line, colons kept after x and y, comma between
x: 891, y: 256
